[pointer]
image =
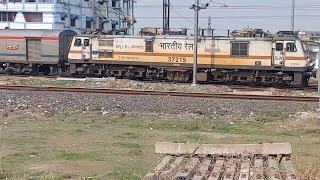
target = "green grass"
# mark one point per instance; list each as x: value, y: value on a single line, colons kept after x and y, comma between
x: 122, y: 146
x: 272, y: 116
x: 129, y: 135
x: 74, y: 156
x: 123, y: 175
x: 315, y: 132
x: 129, y: 145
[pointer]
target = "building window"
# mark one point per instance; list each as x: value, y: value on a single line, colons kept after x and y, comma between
x: 149, y: 46
x: 48, y: 1
x: 8, y: 16
x: 89, y: 21
x: 88, y: 24
x: 291, y: 47
x: 114, y: 3
x: 33, y: 16
x: 279, y: 47
x: 113, y: 26
x: 239, y: 49
x: 73, y: 22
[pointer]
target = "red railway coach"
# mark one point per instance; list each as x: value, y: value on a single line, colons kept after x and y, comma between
x: 34, y: 51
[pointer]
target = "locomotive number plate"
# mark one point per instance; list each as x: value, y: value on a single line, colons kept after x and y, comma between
x: 177, y: 59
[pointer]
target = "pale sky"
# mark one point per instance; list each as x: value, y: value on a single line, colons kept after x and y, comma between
x: 273, y: 15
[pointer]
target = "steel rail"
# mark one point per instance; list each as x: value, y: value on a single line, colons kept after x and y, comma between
x: 160, y: 93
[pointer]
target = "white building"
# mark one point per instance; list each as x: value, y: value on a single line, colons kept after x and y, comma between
x: 47, y: 14
x: 77, y: 15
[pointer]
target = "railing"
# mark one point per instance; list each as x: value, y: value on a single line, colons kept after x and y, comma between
x: 28, y: 7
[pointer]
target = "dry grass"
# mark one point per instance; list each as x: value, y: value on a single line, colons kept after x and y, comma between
x: 312, y: 172
x: 92, y: 146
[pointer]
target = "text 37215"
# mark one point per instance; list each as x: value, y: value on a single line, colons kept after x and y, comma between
x: 177, y: 59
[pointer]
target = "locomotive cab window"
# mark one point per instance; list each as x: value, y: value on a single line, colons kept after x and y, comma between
x: 86, y: 42
x: 77, y: 42
x: 149, y: 46
x: 291, y: 47
x: 239, y: 49
x: 279, y: 47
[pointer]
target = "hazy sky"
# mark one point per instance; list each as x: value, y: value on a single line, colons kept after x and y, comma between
x: 273, y: 15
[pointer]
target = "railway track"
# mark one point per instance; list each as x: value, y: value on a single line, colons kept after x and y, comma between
x: 310, y: 88
x: 161, y: 93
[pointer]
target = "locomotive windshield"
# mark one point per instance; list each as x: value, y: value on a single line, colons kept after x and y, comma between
x: 305, y: 47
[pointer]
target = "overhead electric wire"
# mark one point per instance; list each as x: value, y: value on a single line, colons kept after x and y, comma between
x: 241, y: 17
x: 247, y: 7
x: 179, y: 14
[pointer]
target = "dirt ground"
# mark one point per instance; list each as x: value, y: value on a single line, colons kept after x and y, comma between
x: 92, y: 145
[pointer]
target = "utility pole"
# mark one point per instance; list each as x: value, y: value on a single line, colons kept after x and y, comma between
x: 132, y: 14
x: 293, y: 15
x: 318, y: 77
x: 166, y: 16
x: 196, y: 7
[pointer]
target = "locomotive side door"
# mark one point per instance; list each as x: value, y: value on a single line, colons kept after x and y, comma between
x: 86, y: 49
x: 278, y: 54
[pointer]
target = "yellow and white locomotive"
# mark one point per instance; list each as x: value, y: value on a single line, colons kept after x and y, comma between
x: 278, y: 59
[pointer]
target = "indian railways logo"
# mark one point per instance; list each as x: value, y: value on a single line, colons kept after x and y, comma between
x: 12, y: 46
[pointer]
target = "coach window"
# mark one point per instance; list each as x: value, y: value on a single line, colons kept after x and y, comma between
x: 78, y: 42
x: 291, y: 47
x: 149, y: 46
x: 239, y: 49
x: 279, y: 47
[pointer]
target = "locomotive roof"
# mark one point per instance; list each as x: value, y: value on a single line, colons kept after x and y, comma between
x: 31, y: 32
x: 275, y: 38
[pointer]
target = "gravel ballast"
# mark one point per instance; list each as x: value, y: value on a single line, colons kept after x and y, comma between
x: 82, y: 102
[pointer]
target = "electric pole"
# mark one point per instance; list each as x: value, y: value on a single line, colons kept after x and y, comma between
x: 132, y: 15
x: 293, y: 15
x: 166, y: 15
x: 196, y: 7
